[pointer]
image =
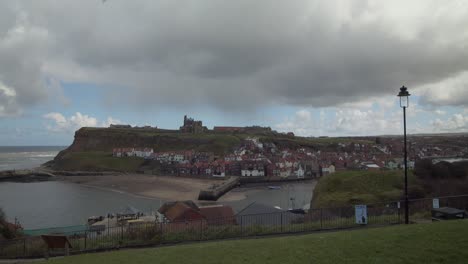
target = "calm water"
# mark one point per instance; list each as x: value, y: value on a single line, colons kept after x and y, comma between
x: 291, y: 195
x: 52, y: 204
x: 24, y: 157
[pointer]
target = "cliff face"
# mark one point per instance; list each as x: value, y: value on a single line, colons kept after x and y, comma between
x: 99, y: 142
x: 105, y: 139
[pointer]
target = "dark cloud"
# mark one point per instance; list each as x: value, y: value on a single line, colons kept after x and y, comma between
x: 23, y: 48
x: 238, y: 55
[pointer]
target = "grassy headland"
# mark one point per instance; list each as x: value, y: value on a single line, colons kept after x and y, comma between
x: 354, y: 187
x: 423, y: 243
x: 92, y: 147
x: 97, y: 161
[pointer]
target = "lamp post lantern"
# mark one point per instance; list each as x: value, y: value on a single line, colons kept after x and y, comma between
x: 404, y: 103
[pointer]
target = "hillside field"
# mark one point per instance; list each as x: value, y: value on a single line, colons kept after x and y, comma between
x: 354, y: 187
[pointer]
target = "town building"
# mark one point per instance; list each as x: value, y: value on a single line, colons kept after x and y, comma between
x: 252, y: 169
x: 132, y: 152
x: 119, y: 126
x: 192, y: 126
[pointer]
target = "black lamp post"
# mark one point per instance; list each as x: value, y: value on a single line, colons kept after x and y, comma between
x: 404, y: 103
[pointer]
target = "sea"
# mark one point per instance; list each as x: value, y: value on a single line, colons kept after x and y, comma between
x: 26, y: 157
x: 37, y: 205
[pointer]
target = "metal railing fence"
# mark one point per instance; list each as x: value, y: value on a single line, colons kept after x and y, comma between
x: 151, y: 234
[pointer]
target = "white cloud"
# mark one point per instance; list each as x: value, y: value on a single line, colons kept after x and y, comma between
x: 302, y: 123
x: 59, y: 123
x: 8, y: 105
x: 449, y: 91
x: 57, y: 117
x: 365, y: 122
x: 352, y: 121
x: 111, y: 121
x: 456, y: 123
x: 23, y: 49
x: 7, y: 91
x: 80, y: 120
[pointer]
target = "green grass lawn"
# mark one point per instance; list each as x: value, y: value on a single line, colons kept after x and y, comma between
x: 354, y: 187
x: 442, y: 242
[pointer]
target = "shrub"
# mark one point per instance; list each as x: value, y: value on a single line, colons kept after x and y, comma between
x: 2, y: 216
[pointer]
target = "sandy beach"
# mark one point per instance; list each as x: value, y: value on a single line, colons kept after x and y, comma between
x: 172, y: 188
x: 162, y: 187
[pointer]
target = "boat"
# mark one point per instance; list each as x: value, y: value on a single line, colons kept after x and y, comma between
x: 297, y: 211
x: 274, y: 187
x: 94, y: 219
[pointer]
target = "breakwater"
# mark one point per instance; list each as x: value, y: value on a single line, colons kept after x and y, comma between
x: 248, y: 180
x: 24, y: 175
x: 217, y: 190
x: 36, y: 175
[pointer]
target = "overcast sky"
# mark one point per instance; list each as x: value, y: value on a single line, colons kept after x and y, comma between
x: 311, y: 67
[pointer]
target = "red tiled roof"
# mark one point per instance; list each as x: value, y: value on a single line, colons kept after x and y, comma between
x: 182, y: 212
x: 218, y: 214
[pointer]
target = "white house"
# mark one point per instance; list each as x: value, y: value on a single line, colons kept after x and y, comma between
x: 219, y: 174
x: 330, y: 169
x: 371, y: 166
x: 253, y: 173
x: 410, y: 165
x: 143, y: 153
x: 280, y: 165
x: 300, y: 172
x: 392, y: 165
x: 177, y: 157
x: 230, y: 157
x: 162, y: 157
x: 148, y: 152
x: 284, y: 172
x: 252, y: 170
x: 129, y: 152
x: 117, y: 152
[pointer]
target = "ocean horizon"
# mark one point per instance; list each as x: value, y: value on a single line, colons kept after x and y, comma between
x: 26, y: 157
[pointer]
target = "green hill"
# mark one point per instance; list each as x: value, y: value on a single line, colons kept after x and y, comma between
x: 92, y: 147
x: 355, y: 187
x: 440, y: 242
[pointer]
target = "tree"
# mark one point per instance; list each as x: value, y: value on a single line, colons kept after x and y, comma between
x: 2, y: 216
x: 423, y: 168
x: 5, y: 231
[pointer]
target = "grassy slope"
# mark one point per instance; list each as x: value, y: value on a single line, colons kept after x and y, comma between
x: 424, y: 243
x: 98, y: 161
x: 354, y: 187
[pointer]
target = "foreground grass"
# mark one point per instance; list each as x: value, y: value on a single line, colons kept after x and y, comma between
x: 354, y: 187
x: 424, y: 243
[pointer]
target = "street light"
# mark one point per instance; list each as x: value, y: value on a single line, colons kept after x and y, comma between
x: 404, y: 103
